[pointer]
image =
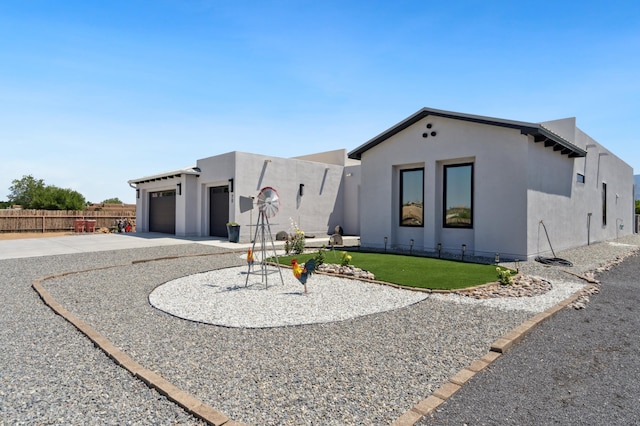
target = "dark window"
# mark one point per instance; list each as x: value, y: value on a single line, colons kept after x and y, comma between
x: 580, y: 178
x: 458, y: 196
x: 604, y: 204
x: 412, y: 197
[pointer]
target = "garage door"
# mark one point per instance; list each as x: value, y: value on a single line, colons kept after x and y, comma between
x: 218, y: 210
x: 162, y: 212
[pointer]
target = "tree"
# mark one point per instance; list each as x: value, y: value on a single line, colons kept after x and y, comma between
x: 54, y: 198
x: 637, y: 206
x: 32, y: 193
x: 24, y: 191
x: 115, y: 200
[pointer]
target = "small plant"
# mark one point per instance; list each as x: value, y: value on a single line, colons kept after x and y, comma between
x: 297, y: 239
x: 232, y: 223
x: 504, y: 276
x: 345, y: 258
x: 320, y: 256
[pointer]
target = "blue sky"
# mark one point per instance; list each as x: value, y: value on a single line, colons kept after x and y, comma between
x: 95, y: 93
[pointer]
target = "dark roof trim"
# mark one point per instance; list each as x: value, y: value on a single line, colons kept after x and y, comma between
x: 167, y: 175
x: 539, y: 133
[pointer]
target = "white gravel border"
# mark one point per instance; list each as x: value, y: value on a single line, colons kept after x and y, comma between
x: 560, y: 290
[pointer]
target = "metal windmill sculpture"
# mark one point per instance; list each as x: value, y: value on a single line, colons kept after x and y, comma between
x: 268, y: 202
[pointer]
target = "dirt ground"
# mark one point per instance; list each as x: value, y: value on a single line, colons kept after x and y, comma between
x: 21, y: 235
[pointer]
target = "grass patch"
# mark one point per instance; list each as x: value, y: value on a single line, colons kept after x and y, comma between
x: 412, y: 271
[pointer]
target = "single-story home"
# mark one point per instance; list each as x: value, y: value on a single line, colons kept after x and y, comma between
x: 453, y: 181
x: 438, y: 180
x: 316, y: 192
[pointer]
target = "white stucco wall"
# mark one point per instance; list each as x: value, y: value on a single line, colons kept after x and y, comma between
x: 326, y: 196
x: 555, y: 196
x: 518, y: 184
x: 499, y: 156
x: 317, y: 211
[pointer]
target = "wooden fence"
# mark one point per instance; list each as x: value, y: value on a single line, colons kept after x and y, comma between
x: 59, y: 220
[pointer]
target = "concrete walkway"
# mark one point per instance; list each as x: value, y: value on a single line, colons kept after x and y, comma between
x: 84, y: 243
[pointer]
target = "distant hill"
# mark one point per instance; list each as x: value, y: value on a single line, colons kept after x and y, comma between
x: 636, y: 180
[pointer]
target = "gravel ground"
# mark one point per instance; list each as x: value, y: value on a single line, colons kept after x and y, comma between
x: 366, y: 370
x: 578, y: 368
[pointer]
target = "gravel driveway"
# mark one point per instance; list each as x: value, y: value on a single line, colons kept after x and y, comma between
x: 367, y: 370
x: 580, y: 367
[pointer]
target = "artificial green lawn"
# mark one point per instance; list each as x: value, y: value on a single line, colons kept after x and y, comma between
x: 412, y: 271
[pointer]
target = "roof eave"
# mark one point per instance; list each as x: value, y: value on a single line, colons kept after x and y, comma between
x: 524, y: 127
x: 166, y: 175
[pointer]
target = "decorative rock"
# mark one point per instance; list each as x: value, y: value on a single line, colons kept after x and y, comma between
x: 351, y: 271
x: 338, y: 230
x: 336, y: 240
x: 282, y: 236
x: 523, y: 286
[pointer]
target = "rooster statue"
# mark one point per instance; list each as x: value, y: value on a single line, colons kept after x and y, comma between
x: 302, y: 272
x: 251, y: 258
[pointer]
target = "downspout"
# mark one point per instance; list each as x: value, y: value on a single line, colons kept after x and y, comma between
x: 136, y: 188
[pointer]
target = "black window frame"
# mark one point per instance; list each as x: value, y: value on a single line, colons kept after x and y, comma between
x: 580, y: 178
x: 444, y: 195
x: 402, y: 172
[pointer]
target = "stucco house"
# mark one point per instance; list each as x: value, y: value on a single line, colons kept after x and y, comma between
x: 446, y: 179
x: 318, y: 192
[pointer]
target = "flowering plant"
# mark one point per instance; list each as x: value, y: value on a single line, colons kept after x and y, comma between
x: 345, y: 258
x: 295, y: 243
x: 504, y: 276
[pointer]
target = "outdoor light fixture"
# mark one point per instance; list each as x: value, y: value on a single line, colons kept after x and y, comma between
x: 385, y: 244
x: 464, y: 248
x: 137, y: 193
x: 411, y: 246
x: 518, y: 265
x: 301, y: 189
x: 231, y: 185
x: 439, y: 248
x: 497, y: 259
x: 179, y: 187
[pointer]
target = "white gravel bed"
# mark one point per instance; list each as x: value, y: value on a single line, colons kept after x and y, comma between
x: 221, y: 298
x: 560, y: 291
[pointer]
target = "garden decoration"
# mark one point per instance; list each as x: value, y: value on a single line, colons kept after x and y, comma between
x: 302, y: 272
x: 251, y: 258
x: 268, y: 202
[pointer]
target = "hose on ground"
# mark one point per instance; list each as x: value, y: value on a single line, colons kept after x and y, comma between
x: 551, y: 261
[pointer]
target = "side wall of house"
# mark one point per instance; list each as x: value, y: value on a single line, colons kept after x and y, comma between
x: 498, y: 156
x: 566, y: 195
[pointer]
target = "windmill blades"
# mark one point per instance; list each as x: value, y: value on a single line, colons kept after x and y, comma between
x: 268, y: 201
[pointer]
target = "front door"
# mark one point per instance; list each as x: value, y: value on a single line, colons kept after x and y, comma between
x: 218, y: 210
